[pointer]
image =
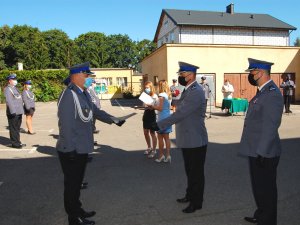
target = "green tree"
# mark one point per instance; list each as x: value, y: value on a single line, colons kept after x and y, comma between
x: 60, y: 48
x: 92, y: 47
x: 144, y: 48
x: 122, y: 51
x: 27, y: 46
x: 297, y: 42
x: 4, y: 42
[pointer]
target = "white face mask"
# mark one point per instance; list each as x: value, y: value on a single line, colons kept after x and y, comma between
x: 29, y: 86
x: 14, y: 82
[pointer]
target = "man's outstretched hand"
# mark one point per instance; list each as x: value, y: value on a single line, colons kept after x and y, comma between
x: 120, y: 122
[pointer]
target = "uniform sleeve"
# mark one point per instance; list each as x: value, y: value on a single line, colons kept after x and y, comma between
x: 102, y: 115
x: 272, y: 114
x: 191, y: 102
x: 66, y: 121
x: 9, y: 100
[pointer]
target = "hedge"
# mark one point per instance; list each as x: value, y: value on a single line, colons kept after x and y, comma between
x: 47, y: 84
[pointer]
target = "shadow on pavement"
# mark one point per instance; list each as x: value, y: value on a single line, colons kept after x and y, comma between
x: 127, y: 188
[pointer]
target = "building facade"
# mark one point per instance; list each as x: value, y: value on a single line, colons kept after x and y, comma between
x: 218, y: 62
x: 113, y: 82
x: 220, y: 43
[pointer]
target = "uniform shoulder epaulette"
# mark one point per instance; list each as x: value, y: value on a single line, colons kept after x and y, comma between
x: 272, y: 88
x: 193, y: 87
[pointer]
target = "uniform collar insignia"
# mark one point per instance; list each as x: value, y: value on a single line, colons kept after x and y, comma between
x: 271, y: 88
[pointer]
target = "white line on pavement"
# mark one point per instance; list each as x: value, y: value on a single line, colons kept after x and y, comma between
x: 119, y: 104
x: 33, y: 150
x: 50, y: 131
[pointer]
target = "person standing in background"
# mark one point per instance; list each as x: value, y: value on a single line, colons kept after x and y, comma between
x: 149, y: 117
x: 174, y: 93
x: 29, y: 105
x: 163, y: 108
x: 288, y: 87
x: 205, y: 88
x: 14, y: 110
x: 95, y: 100
x: 227, y: 89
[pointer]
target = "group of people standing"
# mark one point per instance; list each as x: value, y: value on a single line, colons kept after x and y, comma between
x: 77, y: 111
x: 260, y: 141
x: 162, y: 106
x: 18, y: 104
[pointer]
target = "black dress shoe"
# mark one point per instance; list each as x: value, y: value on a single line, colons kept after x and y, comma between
x: 80, y: 221
x: 191, y: 208
x: 183, y: 200
x: 290, y: 111
x: 96, y: 131
x: 18, y: 146
x: 86, y: 214
x: 251, y: 219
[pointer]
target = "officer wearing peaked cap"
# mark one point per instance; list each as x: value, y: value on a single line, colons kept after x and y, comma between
x: 14, y: 110
x: 75, y: 122
x: 29, y: 105
x: 191, y: 134
x: 260, y: 141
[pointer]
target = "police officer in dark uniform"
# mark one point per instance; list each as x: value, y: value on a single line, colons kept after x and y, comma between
x: 260, y: 141
x: 14, y: 110
x: 191, y: 135
x: 288, y: 87
x: 75, y: 122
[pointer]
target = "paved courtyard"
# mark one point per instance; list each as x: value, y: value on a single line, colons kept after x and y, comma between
x: 126, y: 188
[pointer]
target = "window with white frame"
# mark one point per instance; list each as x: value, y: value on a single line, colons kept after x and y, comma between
x: 106, y: 80
x: 122, y: 81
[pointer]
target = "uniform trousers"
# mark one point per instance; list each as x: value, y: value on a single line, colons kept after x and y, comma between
x: 287, y: 102
x: 194, y: 159
x: 264, y: 187
x: 73, y: 167
x: 14, y: 124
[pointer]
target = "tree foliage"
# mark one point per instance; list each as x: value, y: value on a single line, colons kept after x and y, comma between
x: 27, y: 46
x: 93, y: 47
x: 53, y: 49
x: 59, y: 46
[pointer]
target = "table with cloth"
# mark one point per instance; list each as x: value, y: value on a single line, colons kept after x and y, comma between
x: 235, y: 105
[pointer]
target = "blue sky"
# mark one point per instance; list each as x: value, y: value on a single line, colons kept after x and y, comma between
x: 137, y: 18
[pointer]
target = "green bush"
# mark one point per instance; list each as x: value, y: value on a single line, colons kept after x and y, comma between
x: 47, y: 84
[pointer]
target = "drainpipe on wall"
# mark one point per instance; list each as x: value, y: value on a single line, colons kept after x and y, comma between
x: 289, y: 38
